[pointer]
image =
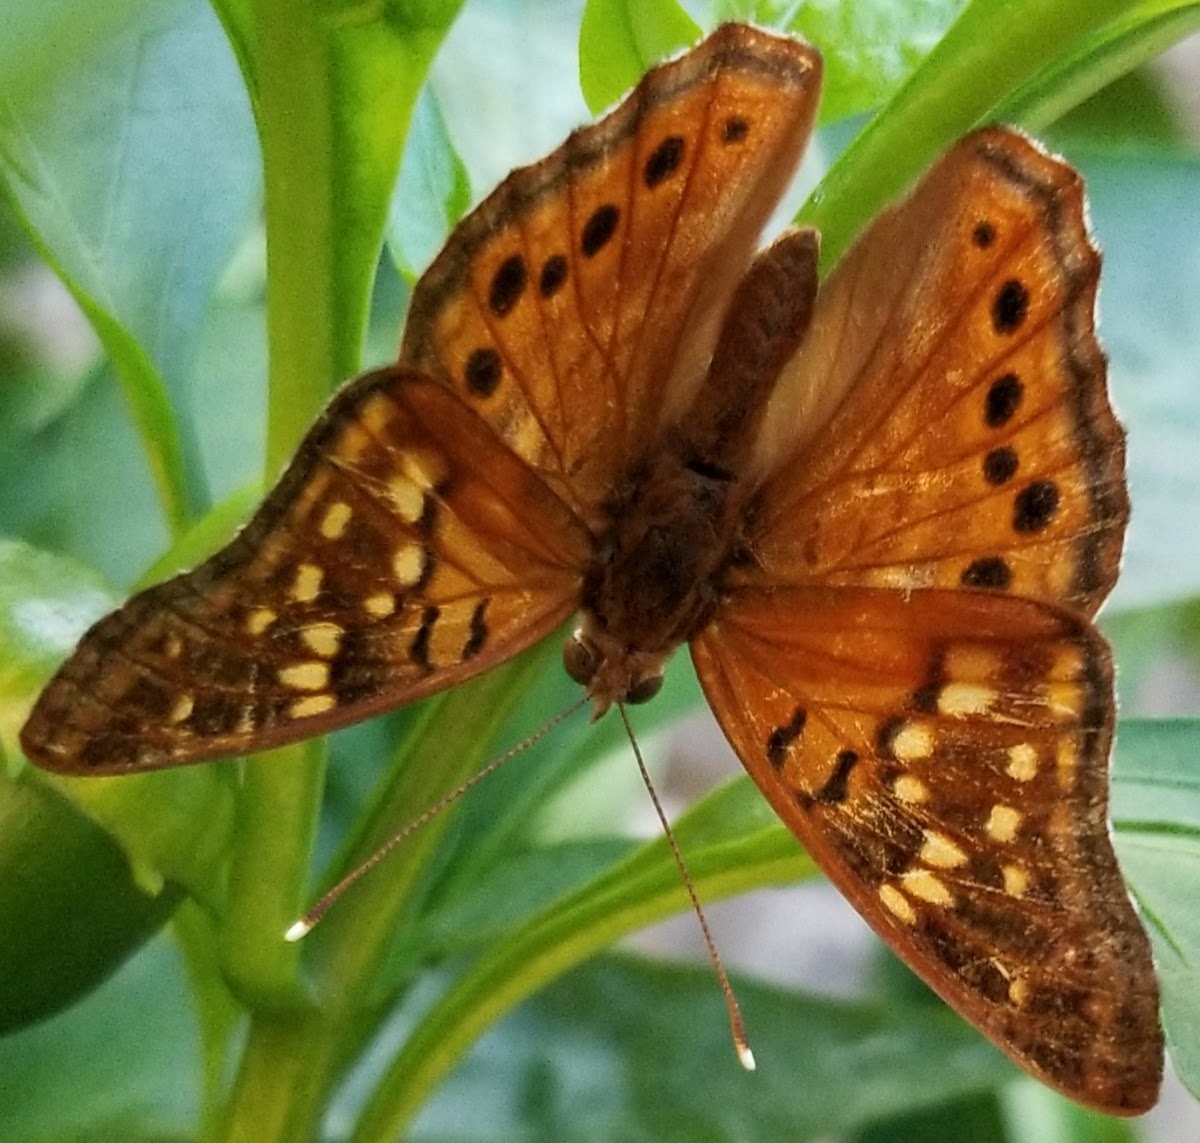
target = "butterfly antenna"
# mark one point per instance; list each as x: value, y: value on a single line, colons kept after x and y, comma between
x: 309, y: 921
x: 737, y: 1025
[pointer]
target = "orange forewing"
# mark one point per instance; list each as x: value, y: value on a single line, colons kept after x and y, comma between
x: 952, y: 364
x: 577, y: 307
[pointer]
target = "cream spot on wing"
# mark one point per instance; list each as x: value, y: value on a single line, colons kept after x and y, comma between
x: 172, y: 645
x: 380, y: 605
x: 307, y: 585
x: 1068, y: 663
x: 1066, y: 763
x: 311, y: 704
x: 1016, y: 880
x: 1002, y: 823
x: 182, y: 709
x: 526, y: 436
x: 1022, y: 762
x: 259, y: 620
x: 450, y: 632
x: 959, y: 699
x: 312, y: 676
x: 408, y: 564
x: 904, y: 578
x: 910, y: 790
x: 1064, y: 699
x: 322, y: 639
x: 939, y: 850
x: 897, y: 904
x: 333, y: 523
x: 376, y: 414
x: 1018, y: 990
x: 353, y: 441
x: 309, y: 494
x: 912, y: 742
x: 424, y: 467
x: 924, y: 885
x: 407, y: 498
x: 966, y: 661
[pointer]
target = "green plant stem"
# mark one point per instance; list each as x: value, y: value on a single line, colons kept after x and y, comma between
x: 444, y: 750
x: 644, y: 888
x: 1131, y: 41
x: 310, y: 347
x: 988, y: 53
x: 287, y: 1069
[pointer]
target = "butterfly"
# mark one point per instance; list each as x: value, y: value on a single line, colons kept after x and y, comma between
x: 881, y: 513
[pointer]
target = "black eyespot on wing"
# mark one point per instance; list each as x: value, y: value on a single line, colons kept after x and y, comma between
x: 836, y: 785
x: 599, y: 229
x: 1003, y: 399
x: 984, y: 234
x: 553, y: 275
x: 987, y: 572
x: 508, y: 284
x: 734, y: 129
x: 664, y: 161
x: 1010, y: 307
x: 1035, y: 506
x: 482, y: 372
x: 1000, y: 465
x: 781, y: 738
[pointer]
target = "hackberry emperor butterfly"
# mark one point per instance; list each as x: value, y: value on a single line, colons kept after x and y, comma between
x: 882, y: 516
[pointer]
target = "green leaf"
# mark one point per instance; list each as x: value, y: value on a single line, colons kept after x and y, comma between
x: 620, y: 39
x: 1156, y: 811
x: 432, y: 194
x: 123, y: 1065
x: 172, y: 826
x: 993, y: 48
x: 614, y: 1074
x: 46, y: 603
x: 732, y: 843
x: 136, y: 173
x: 870, y: 48
x: 1143, y: 208
x: 333, y: 87
x: 70, y: 908
x: 1098, y: 60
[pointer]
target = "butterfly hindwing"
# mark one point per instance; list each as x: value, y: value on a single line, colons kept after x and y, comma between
x: 961, y: 434
x: 576, y: 308
x: 404, y: 550
x: 946, y: 763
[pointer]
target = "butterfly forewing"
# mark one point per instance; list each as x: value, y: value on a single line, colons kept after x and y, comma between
x: 577, y: 307
x: 946, y: 762
x: 967, y: 437
x: 404, y: 550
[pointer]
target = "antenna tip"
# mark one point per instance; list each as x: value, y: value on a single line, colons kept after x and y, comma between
x: 298, y: 931
x: 746, y: 1057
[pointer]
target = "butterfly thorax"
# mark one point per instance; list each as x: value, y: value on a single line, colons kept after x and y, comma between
x: 652, y: 581
x: 674, y: 520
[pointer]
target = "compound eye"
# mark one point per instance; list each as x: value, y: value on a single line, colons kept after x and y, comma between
x: 644, y: 689
x: 580, y: 658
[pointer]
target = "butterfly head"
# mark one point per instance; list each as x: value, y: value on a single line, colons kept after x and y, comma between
x: 610, y: 671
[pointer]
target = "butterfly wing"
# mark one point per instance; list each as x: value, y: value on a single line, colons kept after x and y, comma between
x: 944, y: 760
x: 946, y: 421
x: 892, y: 658
x: 404, y: 550
x: 576, y: 308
